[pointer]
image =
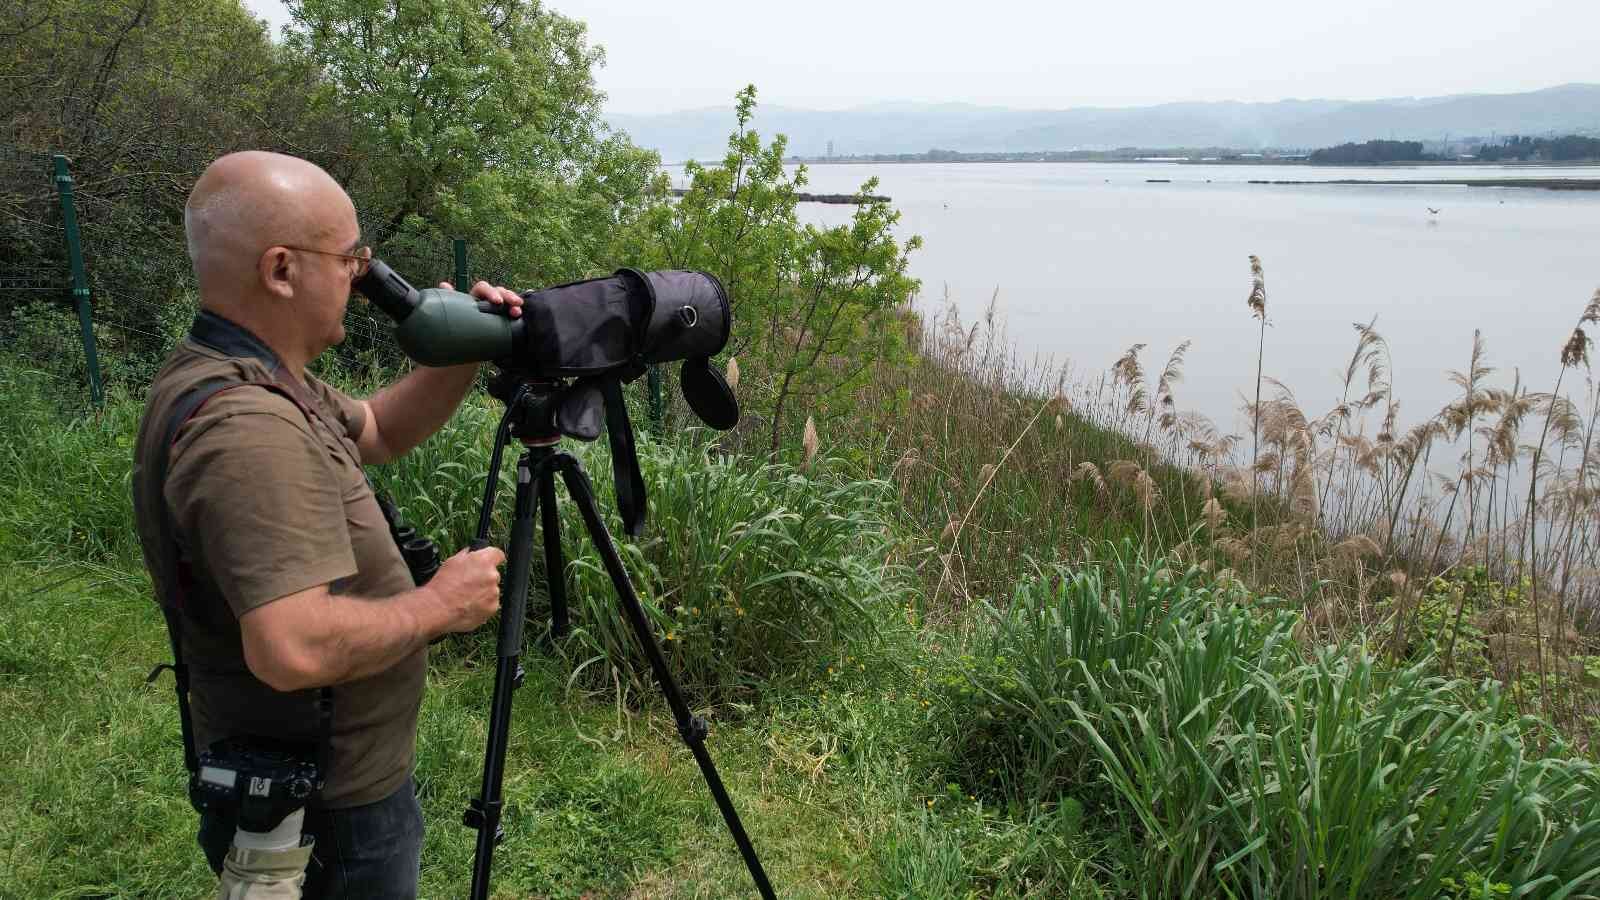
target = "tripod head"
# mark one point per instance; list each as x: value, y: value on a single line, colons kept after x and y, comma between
x: 533, y: 404
x: 541, y: 409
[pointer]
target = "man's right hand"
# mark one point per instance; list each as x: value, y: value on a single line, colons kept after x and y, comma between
x: 468, y: 588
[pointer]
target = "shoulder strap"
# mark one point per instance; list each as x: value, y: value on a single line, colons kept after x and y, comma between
x: 188, y: 405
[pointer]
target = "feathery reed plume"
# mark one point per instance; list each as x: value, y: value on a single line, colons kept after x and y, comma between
x: 1127, y: 369
x: 1461, y: 416
x: 1575, y: 351
x: 1129, y: 372
x: 1214, y: 514
x: 1171, y: 374
x: 1358, y: 547
x: 732, y: 374
x: 1144, y: 487
x: 1236, y: 487
x: 1258, y: 309
x: 1258, y: 289
x: 1233, y: 548
x: 1088, y: 471
x: 1369, y: 352
x: 1123, y: 472
x: 809, y: 441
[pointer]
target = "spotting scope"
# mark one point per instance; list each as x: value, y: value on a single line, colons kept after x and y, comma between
x: 583, y: 329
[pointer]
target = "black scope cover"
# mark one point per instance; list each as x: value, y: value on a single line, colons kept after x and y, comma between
x: 593, y: 326
x: 631, y: 319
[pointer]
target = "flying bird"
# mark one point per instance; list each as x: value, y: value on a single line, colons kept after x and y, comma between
x: 1433, y: 211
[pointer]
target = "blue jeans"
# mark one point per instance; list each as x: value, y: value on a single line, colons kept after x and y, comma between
x: 371, y: 852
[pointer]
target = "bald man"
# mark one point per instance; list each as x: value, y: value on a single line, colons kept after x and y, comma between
x: 263, y: 537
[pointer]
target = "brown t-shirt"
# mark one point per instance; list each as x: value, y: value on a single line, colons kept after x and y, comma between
x: 267, y: 498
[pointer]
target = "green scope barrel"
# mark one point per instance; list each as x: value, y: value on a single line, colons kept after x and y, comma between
x: 438, y: 327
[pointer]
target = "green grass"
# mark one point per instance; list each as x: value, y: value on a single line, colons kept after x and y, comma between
x: 1116, y: 728
x: 599, y: 798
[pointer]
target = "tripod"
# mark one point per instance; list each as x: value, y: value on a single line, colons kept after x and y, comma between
x: 530, y: 417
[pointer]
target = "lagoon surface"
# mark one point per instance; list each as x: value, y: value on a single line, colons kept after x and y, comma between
x: 1089, y: 258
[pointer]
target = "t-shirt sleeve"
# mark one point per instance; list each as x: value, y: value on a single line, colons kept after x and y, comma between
x: 352, y: 415
x: 259, y: 505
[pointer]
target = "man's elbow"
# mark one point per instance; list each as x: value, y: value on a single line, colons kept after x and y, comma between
x: 286, y: 666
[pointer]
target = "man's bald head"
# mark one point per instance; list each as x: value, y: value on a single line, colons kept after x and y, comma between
x: 246, y: 202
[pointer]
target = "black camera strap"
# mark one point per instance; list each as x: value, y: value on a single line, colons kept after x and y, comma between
x: 179, y: 577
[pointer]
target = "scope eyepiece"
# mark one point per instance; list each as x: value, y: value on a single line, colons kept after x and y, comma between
x: 388, y: 291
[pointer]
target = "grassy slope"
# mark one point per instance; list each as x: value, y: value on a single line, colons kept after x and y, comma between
x: 603, y: 801
x: 852, y: 766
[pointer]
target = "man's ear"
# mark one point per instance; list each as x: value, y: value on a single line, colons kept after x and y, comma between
x: 277, y: 270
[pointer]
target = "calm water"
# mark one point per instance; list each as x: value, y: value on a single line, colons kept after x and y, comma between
x: 1089, y: 258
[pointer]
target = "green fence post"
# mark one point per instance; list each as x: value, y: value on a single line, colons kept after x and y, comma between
x: 461, y: 265
x: 80, y: 284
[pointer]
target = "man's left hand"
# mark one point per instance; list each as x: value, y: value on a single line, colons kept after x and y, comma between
x: 499, y: 296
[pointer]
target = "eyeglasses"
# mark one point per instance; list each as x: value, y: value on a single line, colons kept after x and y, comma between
x: 361, y: 255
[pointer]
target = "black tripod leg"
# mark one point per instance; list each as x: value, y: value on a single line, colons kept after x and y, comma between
x: 484, y: 812
x: 691, y: 728
x: 554, y: 574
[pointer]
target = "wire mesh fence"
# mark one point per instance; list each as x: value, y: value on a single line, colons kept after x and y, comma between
x: 138, y: 297
x: 140, y: 290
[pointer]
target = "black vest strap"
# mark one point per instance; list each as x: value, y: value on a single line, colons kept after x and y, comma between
x: 177, y: 576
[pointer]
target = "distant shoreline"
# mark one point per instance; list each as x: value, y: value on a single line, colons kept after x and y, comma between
x: 1549, y: 184
x: 1465, y: 164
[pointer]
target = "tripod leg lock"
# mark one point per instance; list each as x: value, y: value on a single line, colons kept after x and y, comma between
x: 478, y: 815
x: 693, y: 730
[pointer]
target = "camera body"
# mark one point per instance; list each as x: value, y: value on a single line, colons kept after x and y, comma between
x: 263, y: 780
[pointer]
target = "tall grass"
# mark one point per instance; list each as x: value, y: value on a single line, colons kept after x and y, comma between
x: 64, y: 478
x: 1352, y: 513
x: 1252, y: 768
x: 997, y: 461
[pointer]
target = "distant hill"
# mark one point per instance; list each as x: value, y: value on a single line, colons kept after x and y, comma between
x: 1286, y: 124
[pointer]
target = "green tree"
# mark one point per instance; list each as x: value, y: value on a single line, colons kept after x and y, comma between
x: 813, y: 307
x: 140, y: 95
x: 476, y: 119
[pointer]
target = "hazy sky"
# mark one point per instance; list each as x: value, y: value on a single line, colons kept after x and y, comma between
x: 827, y: 54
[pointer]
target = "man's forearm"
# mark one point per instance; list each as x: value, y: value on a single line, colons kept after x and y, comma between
x: 364, y: 637
x: 315, y: 638
x: 408, y: 411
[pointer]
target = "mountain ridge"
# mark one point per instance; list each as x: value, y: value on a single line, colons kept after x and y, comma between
x: 1290, y: 123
